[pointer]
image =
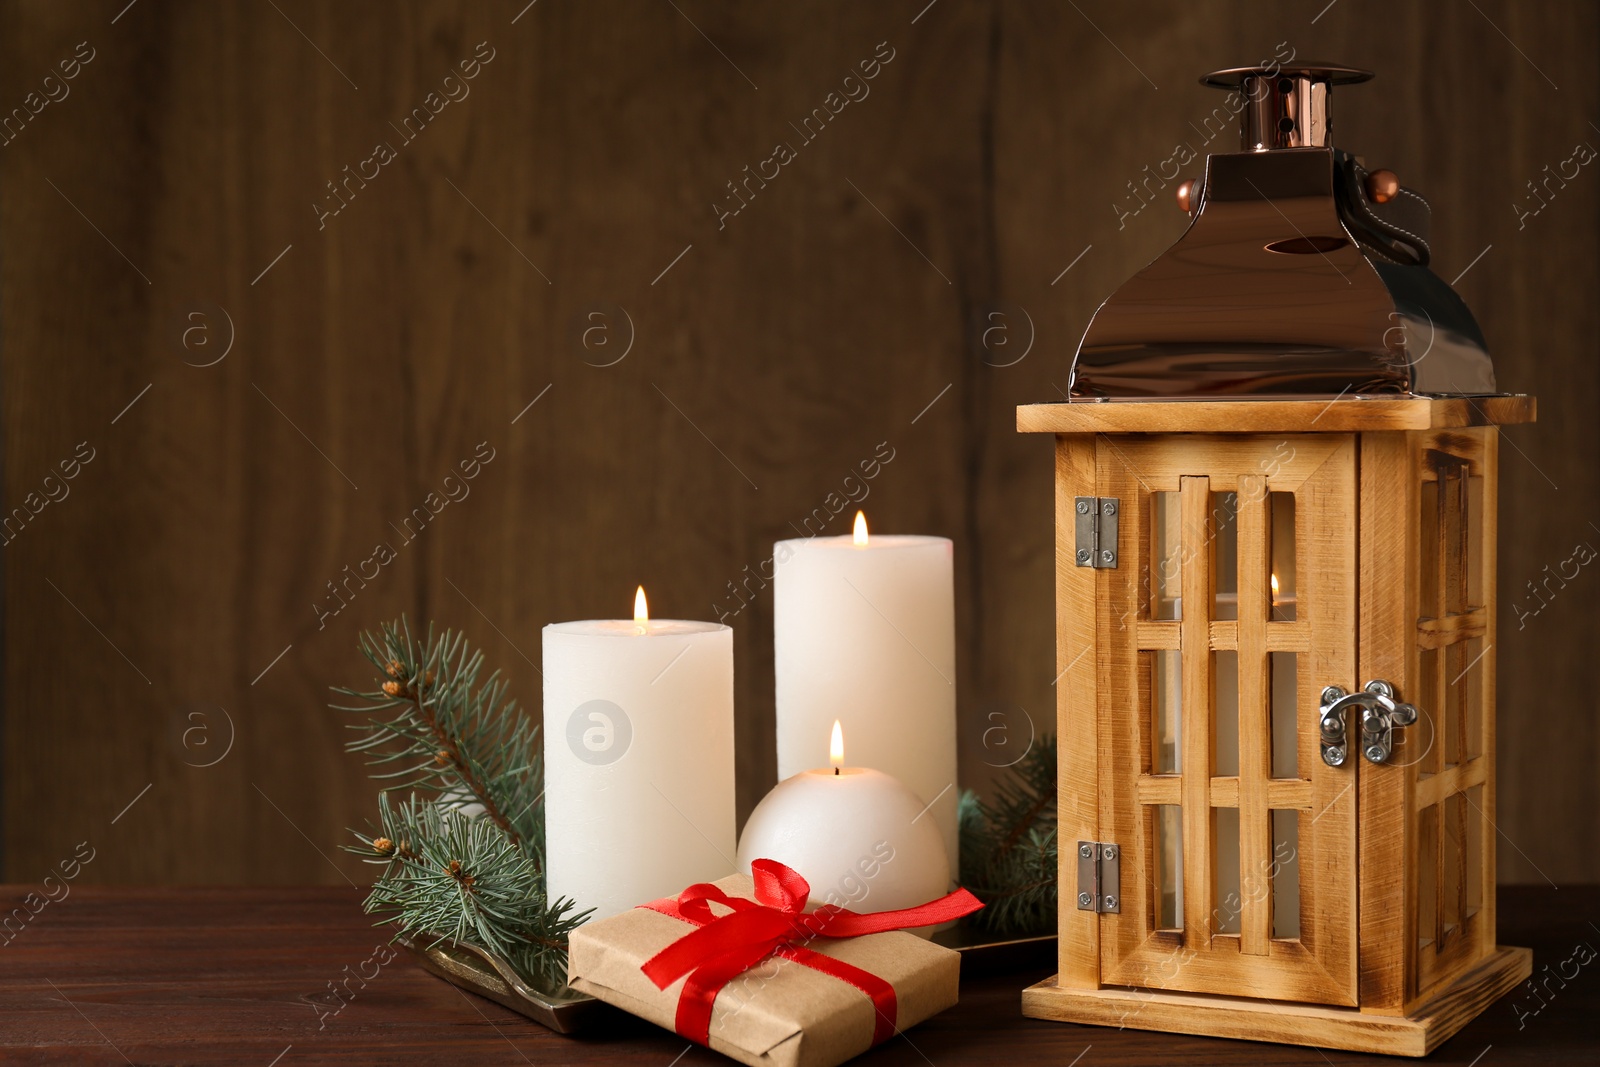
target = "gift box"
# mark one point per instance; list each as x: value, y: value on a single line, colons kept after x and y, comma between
x: 739, y: 965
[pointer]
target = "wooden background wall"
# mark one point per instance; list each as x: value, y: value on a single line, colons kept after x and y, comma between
x: 168, y: 604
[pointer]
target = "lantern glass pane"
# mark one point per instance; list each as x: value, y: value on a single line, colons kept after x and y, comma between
x: 1285, y: 669
x: 1471, y: 698
x: 1453, y: 490
x: 1285, y: 870
x: 1425, y: 747
x: 1450, y: 872
x: 1166, y: 699
x: 1427, y: 875
x: 1225, y: 714
x: 1225, y: 555
x: 1169, y: 866
x: 1474, y: 848
x: 1225, y: 868
x: 1428, y: 552
x: 1458, y: 671
x: 1283, y: 579
x: 1166, y: 558
x: 1475, y: 541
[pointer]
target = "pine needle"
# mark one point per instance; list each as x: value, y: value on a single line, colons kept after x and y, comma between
x: 463, y: 851
x: 1008, y: 847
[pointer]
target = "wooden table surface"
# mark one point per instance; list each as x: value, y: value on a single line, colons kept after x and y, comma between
x: 241, y: 976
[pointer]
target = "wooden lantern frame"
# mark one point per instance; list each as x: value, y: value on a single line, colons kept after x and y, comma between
x: 1394, y: 948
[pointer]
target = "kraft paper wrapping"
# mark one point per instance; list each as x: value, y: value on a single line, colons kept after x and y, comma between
x: 779, y: 1013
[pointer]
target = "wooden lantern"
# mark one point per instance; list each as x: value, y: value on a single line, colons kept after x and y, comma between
x: 1275, y: 597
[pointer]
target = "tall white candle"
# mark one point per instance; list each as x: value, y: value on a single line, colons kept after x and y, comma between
x: 638, y: 749
x: 864, y: 629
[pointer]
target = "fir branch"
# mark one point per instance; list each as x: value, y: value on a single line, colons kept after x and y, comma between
x: 1008, y: 846
x: 457, y: 745
x: 447, y: 733
x: 449, y: 875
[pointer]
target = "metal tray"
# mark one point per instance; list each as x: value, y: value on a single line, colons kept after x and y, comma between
x: 471, y: 968
x: 983, y: 952
x: 476, y: 971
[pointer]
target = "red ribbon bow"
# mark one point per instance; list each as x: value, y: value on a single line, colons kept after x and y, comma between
x: 775, y: 924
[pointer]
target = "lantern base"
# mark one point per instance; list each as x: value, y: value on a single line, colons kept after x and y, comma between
x: 1430, y: 1024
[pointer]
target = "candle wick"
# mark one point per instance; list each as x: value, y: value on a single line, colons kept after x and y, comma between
x: 836, y: 771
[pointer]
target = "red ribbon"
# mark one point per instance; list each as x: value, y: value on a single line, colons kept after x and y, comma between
x: 775, y: 924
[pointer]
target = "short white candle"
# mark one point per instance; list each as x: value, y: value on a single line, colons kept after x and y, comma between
x: 864, y: 631
x: 858, y: 836
x: 638, y: 751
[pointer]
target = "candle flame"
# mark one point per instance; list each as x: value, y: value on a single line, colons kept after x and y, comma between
x: 641, y: 608
x: 1274, y: 585
x: 861, y: 528
x: 836, y: 747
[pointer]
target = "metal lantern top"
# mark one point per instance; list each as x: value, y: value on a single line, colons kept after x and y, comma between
x: 1302, y: 274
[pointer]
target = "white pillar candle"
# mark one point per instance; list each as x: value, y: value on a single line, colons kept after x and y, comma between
x: 864, y: 630
x: 638, y: 759
x: 858, y: 836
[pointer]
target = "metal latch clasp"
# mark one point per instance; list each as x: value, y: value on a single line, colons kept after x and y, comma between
x: 1380, y: 714
x: 1099, y: 876
x: 1095, y: 530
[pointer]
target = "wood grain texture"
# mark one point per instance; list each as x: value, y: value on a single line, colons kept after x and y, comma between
x: 1319, y: 966
x: 1326, y: 559
x: 1461, y: 935
x: 1158, y: 463
x: 782, y: 347
x: 1124, y: 694
x: 1386, y: 858
x: 1255, y: 715
x: 1488, y: 827
x: 233, y: 976
x: 1271, y: 416
x: 1435, y: 1022
x: 1077, y: 674
x: 1199, y: 735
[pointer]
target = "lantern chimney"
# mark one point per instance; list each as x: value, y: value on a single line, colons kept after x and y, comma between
x: 1302, y: 273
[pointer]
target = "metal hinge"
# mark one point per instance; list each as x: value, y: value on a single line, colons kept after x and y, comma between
x: 1096, y: 531
x: 1099, y: 876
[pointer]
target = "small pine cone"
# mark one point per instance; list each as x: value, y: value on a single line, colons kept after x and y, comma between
x: 460, y: 874
x: 382, y: 845
x: 427, y: 678
x: 394, y: 669
x: 442, y: 757
x: 394, y: 689
x: 404, y: 851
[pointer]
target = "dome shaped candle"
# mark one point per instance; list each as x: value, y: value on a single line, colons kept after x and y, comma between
x: 862, y: 839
